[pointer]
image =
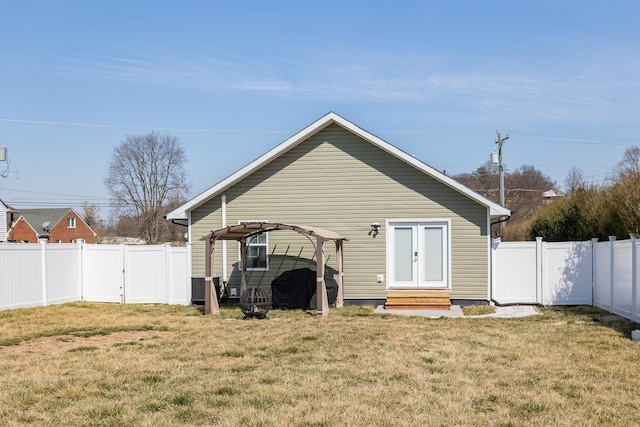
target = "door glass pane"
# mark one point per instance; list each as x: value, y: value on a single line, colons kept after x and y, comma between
x: 403, y: 238
x: 433, y: 253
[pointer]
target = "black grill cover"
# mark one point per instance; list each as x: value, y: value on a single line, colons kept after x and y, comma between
x: 332, y: 294
x: 293, y: 288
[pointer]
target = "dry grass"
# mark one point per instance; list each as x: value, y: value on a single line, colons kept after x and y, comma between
x: 478, y: 310
x: 93, y: 364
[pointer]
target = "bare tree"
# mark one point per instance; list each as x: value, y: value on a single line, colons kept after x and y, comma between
x: 629, y: 166
x: 92, y: 217
x: 483, y: 180
x: 574, y: 181
x: 524, y: 190
x: 145, y: 172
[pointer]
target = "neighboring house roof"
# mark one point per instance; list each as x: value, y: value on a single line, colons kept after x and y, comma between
x: 551, y: 193
x: 331, y: 118
x: 38, y: 217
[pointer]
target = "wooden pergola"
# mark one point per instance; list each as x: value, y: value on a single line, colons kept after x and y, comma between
x: 242, y: 232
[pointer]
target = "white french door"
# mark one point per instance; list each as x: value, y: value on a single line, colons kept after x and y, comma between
x: 418, y: 254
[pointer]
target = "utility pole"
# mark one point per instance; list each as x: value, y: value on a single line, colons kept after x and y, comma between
x: 499, y: 141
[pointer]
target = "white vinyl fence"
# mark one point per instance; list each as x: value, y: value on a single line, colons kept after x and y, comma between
x: 42, y: 274
x: 603, y: 274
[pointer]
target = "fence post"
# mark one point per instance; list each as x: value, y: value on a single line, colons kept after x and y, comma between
x: 123, y: 259
x: 539, y: 271
x: 43, y: 258
x: 612, y: 258
x: 80, y: 270
x: 167, y: 273
x: 594, y: 263
x: 492, y: 257
x: 634, y: 274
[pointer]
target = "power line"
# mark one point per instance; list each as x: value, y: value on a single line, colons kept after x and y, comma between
x: 48, y: 193
x: 605, y: 139
x: 102, y: 126
x: 432, y: 132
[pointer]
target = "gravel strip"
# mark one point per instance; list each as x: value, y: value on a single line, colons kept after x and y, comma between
x: 505, y: 312
x: 513, y: 311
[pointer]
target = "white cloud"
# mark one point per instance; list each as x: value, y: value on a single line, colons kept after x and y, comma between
x: 598, y: 87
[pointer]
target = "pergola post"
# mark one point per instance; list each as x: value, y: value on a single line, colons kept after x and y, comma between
x: 243, y: 261
x: 210, y: 297
x: 321, y: 287
x: 339, y: 261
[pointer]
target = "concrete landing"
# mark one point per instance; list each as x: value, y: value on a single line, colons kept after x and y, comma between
x: 454, y: 311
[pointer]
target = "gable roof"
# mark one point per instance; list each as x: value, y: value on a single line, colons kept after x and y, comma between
x: 37, y: 217
x: 315, y: 127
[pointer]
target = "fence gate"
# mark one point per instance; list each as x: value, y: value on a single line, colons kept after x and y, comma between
x: 103, y: 273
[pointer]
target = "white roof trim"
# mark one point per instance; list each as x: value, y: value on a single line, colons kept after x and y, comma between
x: 315, y: 127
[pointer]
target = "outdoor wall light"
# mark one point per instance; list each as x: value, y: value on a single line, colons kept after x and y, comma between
x: 375, y: 228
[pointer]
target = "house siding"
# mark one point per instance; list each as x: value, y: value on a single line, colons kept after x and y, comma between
x: 337, y: 181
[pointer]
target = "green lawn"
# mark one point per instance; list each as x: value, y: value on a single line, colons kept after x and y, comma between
x: 121, y: 365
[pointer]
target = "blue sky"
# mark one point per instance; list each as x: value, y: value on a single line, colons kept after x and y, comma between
x: 435, y: 79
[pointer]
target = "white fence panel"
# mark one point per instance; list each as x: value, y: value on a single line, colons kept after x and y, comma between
x: 179, y: 275
x: 63, y: 278
x: 602, y: 275
x: 21, y: 275
x: 567, y: 273
x: 621, y: 292
x: 103, y: 273
x: 145, y: 274
x: 515, y: 273
x: 42, y: 274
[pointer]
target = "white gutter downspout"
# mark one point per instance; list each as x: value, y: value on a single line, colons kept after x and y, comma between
x: 224, y: 242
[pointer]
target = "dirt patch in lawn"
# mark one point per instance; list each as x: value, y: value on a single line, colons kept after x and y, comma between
x: 51, y: 346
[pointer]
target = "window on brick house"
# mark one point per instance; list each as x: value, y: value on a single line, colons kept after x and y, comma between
x: 71, y: 222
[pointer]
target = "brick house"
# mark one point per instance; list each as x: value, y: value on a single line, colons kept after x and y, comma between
x: 57, y: 225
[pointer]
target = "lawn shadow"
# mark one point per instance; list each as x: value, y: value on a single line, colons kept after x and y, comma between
x: 602, y: 317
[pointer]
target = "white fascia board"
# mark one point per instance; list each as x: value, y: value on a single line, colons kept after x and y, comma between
x: 315, y: 127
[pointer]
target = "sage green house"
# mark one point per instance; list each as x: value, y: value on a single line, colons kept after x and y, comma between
x: 409, y: 227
